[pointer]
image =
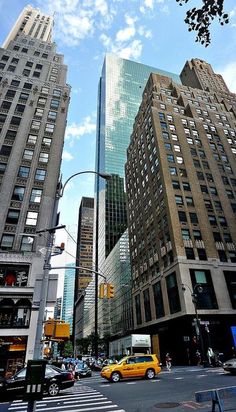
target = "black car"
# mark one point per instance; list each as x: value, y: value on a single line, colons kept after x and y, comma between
x: 82, y: 371
x: 55, y: 380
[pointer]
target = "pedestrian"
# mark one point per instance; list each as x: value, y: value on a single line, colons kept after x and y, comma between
x: 210, y: 356
x: 198, y: 357
x: 168, y: 362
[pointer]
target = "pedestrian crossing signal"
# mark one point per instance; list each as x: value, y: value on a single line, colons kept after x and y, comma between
x: 110, y: 291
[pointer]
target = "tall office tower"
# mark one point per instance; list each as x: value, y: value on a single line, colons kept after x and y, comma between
x: 57, y: 309
x: 84, y: 258
x: 181, y: 188
x: 119, y: 96
x: 68, y: 295
x: 199, y: 74
x: 34, y: 100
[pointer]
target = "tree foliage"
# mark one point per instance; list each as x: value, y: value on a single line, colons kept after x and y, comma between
x: 200, y: 19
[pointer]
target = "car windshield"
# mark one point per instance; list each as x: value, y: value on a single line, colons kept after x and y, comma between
x: 122, y: 360
x: 21, y: 374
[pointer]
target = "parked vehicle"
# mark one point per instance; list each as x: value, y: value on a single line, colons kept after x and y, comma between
x: 230, y: 366
x: 131, y: 367
x: 82, y: 370
x: 55, y: 380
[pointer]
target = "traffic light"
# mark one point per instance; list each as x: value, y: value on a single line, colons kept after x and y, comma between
x: 101, y: 290
x: 110, y: 291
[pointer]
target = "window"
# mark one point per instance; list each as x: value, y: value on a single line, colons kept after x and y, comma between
x: 36, y: 74
x: 186, y: 186
x: 38, y: 112
x: 53, y: 78
x: 29, y: 64
x: 173, y: 294
x: 185, y: 234
x: 189, y: 253
x: 42, y: 101
x: 11, y: 68
x: 36, y: 53
x: 32, y: 139
x: 182, y: 216
x: 222, y: 221
x: 175, y: 184
x: 168, y: 146
x: 18, y: 193
x: 212, y: 220
x: 178, y: 200
x: 24, y: 172
x: 208, y: 204
x: 193, y: 217
x: 27, y: 243
x: 13, y: 216
x: 24, y: 50
x: 206, y: 299
x: 230, y: 278
x: 158, y: 300
x: 147, y: 306
x: 36, y: 195
x: 54, y: 104
x: 227, y: 238
x: 27, y: 86
x: 35, y: 125
x: 7, y: 242
x: 170, y: 158
x: 45, y: 90
x: 38, y: 66
x: 52, y: 115
x: 204, y: 189
x: 200, y: 176
x: 213, y: 191
x: 47, y: 141
x: 232, y: 256
x: 5, y: 58
x: 49, y: 128
x: 2, y: 66
x: 43, y: 157
x: 182, y: 172
x: 3, y: 167
x: 15, y: 120
x: 197, y: 234
x: 202, y: 254
x: 189, y: 201
x: 10, y: 93
x: 138, y: 310
x: 24, y: 96
x: 20, y: 108
x: 233, y: 205
x: 28, y: 154
x: 222, y: 256
x: 31, y: 218
x: 217, y: 237
x: 44, y: 55
x: 6, y: 105
x: 16, y: 48
x: 40, y: 174
x: 57, y: 93
x: 26, y: 72
x: 218, y: 205
x: 5, y: 150
x: 173, y: 170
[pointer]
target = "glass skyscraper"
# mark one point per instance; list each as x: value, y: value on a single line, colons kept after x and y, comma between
x: 120, y: 92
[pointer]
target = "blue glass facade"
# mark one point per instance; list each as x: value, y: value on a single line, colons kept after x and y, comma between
x: 68, y: 295
x: 119, y: 96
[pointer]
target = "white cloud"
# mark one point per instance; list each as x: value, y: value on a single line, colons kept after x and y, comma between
x: 75, y: 131
x: 67, y: 156
x: 232, y: 12
x: 132, y: 51
x: 125, y: 34
x: 228, y: 73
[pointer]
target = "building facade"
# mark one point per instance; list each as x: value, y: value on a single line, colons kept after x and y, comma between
x: 33, y: 108
x: 68, y: 295
x: 181, y: 187
x: 84, y: 258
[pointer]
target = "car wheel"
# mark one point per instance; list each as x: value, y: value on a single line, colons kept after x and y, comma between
x: 115, y: 377
x: 53, y: 389
x: 150, y: 374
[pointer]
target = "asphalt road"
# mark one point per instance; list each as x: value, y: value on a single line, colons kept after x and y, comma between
x: 171, y: 391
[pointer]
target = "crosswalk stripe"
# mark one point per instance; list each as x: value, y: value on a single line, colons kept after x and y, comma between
x: 86, y: 400
x: 80, y: 410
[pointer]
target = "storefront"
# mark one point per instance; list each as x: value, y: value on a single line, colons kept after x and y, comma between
x: 12, y: 354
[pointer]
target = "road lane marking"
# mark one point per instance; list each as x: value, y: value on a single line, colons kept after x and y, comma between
x: 81, y: 410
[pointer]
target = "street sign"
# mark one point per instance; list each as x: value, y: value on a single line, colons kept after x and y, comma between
x: 35, y: 374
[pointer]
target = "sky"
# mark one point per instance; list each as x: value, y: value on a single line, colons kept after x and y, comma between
x: 151, y: 32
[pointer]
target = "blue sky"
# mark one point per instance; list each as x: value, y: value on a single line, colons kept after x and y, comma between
x: 152, y: 32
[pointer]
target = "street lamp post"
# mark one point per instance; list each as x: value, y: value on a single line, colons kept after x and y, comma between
x: 47, y: 268
x: 197, y: 288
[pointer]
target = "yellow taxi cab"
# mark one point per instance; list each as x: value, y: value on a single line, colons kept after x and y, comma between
x: 145, y: 366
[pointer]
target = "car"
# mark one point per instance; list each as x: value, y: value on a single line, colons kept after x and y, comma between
x: 82, y: 370
x: 109, y: 362
x: 230, y: 366
x: 55, y: 380
x: 143, y: 366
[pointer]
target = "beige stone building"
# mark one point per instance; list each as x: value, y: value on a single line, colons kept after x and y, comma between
x: 181, y: 188
x: 34, y: 100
